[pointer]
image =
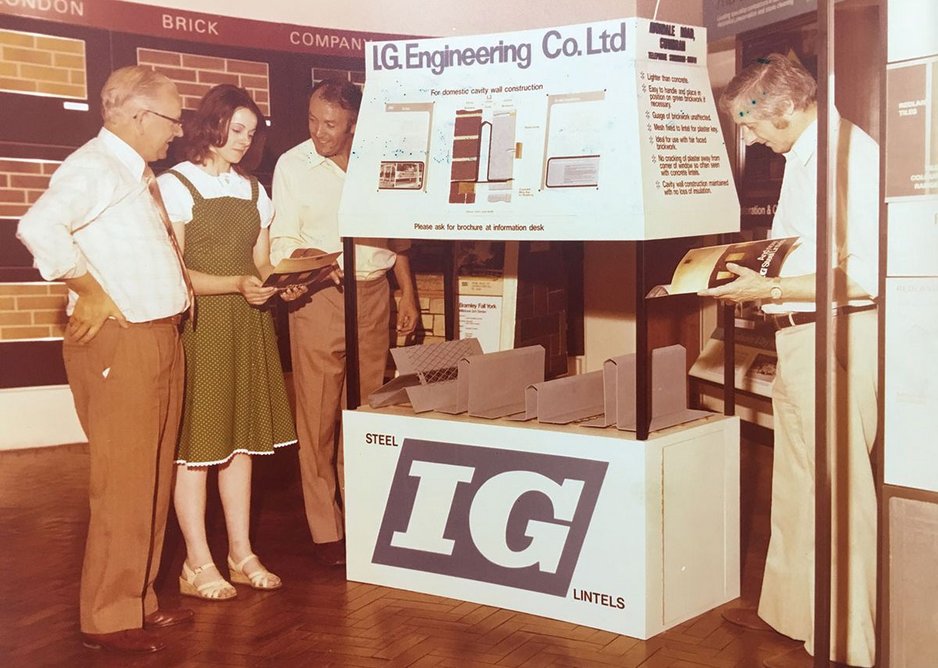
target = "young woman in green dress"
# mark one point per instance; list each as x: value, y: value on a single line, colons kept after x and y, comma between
x: 235, y: 403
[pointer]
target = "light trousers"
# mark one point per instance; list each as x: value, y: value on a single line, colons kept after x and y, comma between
x: 317, y: 347
x: 787, y: 600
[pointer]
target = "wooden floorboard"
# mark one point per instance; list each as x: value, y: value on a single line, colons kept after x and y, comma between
x: 318, y: 619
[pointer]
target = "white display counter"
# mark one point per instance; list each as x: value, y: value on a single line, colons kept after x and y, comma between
x: 584, y: 525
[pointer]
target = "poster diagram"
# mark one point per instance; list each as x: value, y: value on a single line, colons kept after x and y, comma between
x: 605, y: 130
x: 484, y: 152
x: 573, y: 140
x: 407, y: 147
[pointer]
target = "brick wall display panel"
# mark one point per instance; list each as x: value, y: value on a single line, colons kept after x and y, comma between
x: 47, y: 65
x: 22, y: 182
x: 32, y: 310
x: 194, y: 74
x: 50, y: 77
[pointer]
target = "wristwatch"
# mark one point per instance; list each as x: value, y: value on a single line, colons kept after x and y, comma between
x: 776, y: 291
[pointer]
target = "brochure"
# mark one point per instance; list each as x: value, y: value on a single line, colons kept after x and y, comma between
x: 305, y: 266
x: 703, y: 268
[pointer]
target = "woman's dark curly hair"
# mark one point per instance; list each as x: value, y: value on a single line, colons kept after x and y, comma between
x: 208, y: 127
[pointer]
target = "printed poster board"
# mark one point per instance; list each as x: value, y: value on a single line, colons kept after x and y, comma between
x: 912, y: 129
x: 911, y: 389
x: 604, y: 130
x: 486, y: 289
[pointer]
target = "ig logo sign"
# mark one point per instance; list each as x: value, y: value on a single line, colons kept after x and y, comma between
x: 511, y: 518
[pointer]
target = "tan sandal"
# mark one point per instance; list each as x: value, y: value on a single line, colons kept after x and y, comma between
x: 214, y: 590
x: 260, y: 578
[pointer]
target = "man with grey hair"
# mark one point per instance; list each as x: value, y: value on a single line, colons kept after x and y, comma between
x: 99, y: 229
x: 773, y: 103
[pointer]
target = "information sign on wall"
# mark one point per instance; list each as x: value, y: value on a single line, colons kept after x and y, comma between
x: 912, y: 129
x: 605, y: 130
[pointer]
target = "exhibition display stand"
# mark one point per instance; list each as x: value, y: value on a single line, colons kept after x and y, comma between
x: 604, y: 131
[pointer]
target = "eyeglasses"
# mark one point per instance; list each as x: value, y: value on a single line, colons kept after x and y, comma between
x: 174, y: 121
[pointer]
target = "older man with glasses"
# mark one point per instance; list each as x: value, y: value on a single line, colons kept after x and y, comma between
x: 99, y: 229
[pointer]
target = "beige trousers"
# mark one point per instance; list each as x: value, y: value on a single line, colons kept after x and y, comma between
x: 128, y: 386
x: 787, y: 601
x: 317, y: 347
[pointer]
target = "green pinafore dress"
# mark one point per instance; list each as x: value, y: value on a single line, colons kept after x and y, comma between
x: 235, y: 400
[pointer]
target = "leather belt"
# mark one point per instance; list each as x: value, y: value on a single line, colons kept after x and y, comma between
x: 168, y: 320
x: 783, y: 320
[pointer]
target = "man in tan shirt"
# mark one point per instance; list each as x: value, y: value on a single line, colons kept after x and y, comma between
x: 308, y: 181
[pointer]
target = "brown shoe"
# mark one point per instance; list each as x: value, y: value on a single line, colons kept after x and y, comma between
x: 748, y: 618
x: 330, y: 554
x: 793, y: 658
x: 138, y: 641
x: 167, y: 617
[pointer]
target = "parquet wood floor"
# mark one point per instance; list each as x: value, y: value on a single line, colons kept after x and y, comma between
x: 318, y: 619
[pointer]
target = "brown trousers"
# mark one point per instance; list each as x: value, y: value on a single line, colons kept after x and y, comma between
x: 128, y: 386
x: 317, y: 346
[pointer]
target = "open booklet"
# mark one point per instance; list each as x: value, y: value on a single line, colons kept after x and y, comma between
x: 305, y: 266
x: 703, y: 268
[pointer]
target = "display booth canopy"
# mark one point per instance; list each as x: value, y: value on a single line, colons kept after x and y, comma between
x: 603, y: 130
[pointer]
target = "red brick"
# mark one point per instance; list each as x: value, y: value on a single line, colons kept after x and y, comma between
x: 16, y: 318
x: 9, y: 333
x: 12, y: 38
x: 178, y: 73
x: 192, y: 89
x: 49, y: 167
x: 72, y: 61
x: 246, y: 67
x: 26, y: 181
x: 203, y: 62
x: 41, y: 73
x: 20, y: 166
x: 20, y: 85
x: 213, y: 77
x: 7, y: 195
x: 17, y: 289
x: 13, y: 54
x: 60, y: 44
x: 50, y: 317
x: 262, y: 83
x: 48, y: 303
x: 12, y: 210
x: 151, y: 57
x: 7, y: 303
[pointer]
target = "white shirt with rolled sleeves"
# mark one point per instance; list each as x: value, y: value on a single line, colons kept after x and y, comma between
x: 307, y: 189
x: 98, y: 217
x: 857, y: 213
